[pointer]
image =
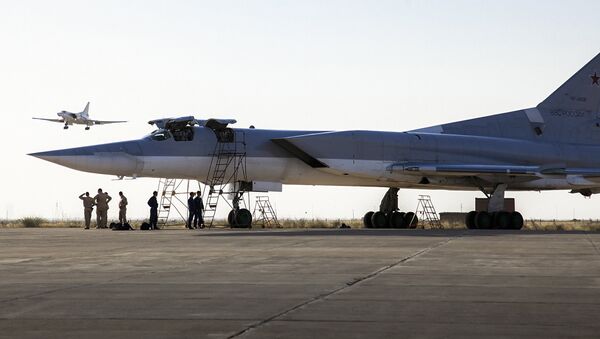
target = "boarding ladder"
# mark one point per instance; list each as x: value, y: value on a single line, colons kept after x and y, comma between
x: 227, y: 167
x: 426, y: 212
x: 170, y: 191
x: 264, y: 212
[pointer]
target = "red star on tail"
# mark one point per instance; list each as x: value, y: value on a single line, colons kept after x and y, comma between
x: 595, y: 79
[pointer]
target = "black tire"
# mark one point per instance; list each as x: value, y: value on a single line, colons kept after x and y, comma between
x: 483, y: 220
x: 379, y: 220
x: 396, y: 220
x: 231, y: 218
x: 470, y: 220
x: 516, y: 221
x: 502, y: 220
x: 367, y: 220
x: 411, y: 220
x: 243, y: 218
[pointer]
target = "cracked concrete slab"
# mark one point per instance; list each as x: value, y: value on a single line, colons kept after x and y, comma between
x: 69, y: 283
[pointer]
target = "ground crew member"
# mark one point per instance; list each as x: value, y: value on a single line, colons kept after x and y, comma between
x: 122, y: 209
x: 101, y: 200
x: 88, y: 207
x: 191, y: 211
x: 199, y: 204
x: 153, y: 210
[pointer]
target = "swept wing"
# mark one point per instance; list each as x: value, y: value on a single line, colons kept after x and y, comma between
x: 101, y: 122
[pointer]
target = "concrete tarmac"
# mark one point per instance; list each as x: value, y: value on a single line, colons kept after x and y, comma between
x: 71, y: 283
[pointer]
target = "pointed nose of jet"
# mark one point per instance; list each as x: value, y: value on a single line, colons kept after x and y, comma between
x: 121, y: 158
x: 48, y: 155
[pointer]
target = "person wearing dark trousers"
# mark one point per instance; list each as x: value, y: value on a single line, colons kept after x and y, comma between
x: 199, y: 204
x: 191, y: 211
x: 153, y: 203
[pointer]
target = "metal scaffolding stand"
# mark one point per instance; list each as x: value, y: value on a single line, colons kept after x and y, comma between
x: 226, y: 178
x: 427, y: 213
x: 173, y: 199
x: 264, y: 212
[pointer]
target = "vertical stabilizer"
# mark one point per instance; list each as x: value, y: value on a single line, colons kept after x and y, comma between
x: 85, y: 110
x: 581, y: 93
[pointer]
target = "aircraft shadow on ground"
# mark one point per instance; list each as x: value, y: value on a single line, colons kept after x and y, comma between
x: 382, y: 233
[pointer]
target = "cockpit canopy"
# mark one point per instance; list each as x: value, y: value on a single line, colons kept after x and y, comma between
x: 160, y: 135
x: 180, y: 129
x: 182, y: 134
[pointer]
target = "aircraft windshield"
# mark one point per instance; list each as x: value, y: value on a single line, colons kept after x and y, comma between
x: 160, y: 135
x: 180, y: 134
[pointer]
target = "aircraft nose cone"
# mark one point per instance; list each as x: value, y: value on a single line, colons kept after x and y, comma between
x: 116, y: 159
x: 71, y: 157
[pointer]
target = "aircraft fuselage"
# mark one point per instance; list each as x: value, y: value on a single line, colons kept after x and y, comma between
x: 353, y: 158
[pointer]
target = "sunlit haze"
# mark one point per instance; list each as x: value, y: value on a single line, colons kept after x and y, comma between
x: 311, y: 65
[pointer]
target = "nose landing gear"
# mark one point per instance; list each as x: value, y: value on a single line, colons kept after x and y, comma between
x: 241, y: 218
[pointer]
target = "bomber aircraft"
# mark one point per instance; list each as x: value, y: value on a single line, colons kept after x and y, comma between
x: 81, y: 118
x: 551, y: 146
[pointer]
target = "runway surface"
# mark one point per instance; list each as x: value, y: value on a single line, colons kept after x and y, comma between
x: 71, y: 283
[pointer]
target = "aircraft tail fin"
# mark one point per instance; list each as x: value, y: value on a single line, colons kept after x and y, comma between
x: 581, y: 93
x: 85, y: 110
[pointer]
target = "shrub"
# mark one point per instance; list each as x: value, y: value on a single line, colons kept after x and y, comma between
x: 32, y: 222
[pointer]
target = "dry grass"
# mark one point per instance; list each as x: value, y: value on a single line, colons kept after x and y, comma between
x: 564, y: 225
x: 541, y: 225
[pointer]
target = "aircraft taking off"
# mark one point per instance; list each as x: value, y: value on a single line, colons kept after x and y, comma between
x: 81, y: 118
x: 553, y: 146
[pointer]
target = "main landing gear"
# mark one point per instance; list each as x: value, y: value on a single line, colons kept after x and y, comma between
x: 494, y: 220
x: 388, y: 215
x: 66, y: 126
x: 495, y: 217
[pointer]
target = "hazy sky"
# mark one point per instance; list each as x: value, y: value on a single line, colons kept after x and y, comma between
x: 377, y: 65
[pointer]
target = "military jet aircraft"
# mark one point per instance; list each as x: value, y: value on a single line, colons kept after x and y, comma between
x: 551, y: 146
x: 81, y: 118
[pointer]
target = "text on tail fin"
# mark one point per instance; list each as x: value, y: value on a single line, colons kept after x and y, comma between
x: 580, y: 93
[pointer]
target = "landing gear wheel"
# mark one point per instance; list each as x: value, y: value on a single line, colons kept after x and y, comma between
x: 396, y: 220
x: 470, y: 220
x: 516, y: 221
x: 231, y: 218
x: 243, y: 218
x: 483, y: 220
x: 367, y: 220
x: 66, y: 127
x: 502, y: 220
x: 379, y: 220
x: 87, y: 128
x: 411, y: 220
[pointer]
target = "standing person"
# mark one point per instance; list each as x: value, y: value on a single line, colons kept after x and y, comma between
x: 191, y: 211
x: 101, y: 200
x: 88, y: 207
x: 153, y: 203
x: 199, y: 204
x: 122, y: 209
